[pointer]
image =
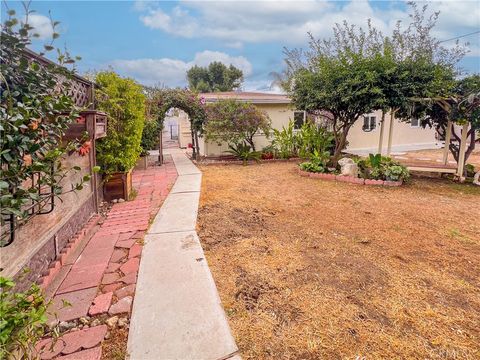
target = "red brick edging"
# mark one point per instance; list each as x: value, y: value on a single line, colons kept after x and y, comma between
x: 348, y: 179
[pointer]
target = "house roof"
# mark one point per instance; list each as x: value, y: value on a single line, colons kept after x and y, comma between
x: 253, y: 97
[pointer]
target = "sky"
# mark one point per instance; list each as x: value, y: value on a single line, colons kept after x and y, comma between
x: 156, y: 42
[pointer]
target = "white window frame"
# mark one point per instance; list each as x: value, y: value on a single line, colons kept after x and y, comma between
x: 370, y: 116
x: 304, y: 118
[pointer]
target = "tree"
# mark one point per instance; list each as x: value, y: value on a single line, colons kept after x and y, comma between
x: 124, y: 102
x: 341, y: 88
x: 359, y: 70
x: 216, y: 77
x: 460, y: 106
x: 235, y: 122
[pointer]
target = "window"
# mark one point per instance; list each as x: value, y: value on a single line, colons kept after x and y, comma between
x: 298, y: 119
x: 415, y: 123
x: 369, y: 123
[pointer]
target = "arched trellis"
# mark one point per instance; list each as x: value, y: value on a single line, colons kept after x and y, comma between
x: 188, y: 101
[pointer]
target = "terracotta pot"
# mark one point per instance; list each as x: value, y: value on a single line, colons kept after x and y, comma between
x: 118, y: 186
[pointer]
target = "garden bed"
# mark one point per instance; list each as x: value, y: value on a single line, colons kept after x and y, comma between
x: 323, y: 270
x: 349, y: 179
x: 233, y: 161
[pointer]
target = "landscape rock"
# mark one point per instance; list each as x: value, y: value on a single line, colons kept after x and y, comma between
x: 95, y: 322
x: 121, y: 200
x: 111, y: 322
x: 476, y: 178
x: 64, y: 325
x: 122, y: 322
x: 83, y: 320
x: 348, y: 167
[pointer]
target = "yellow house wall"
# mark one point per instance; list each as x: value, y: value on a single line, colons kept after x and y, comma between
x: 405, y: 136
x: 280, y: 115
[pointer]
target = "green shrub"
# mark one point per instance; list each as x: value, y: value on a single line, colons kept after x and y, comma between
x: 470, y: 170
x: 150, y: 135
x: 243, y: 151
x: 312, y: 137
x: 396, y: 173
x: 380, y: 167
x: 233, y: 122
x: 22, y: 320
x: 318, y: 162
x: 124, y: 102
x: 285, y: 142
x: 311, y: 167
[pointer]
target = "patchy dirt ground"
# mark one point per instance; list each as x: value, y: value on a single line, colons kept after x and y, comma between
x: 310, y: 269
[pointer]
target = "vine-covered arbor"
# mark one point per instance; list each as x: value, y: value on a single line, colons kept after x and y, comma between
x: 164, y: 99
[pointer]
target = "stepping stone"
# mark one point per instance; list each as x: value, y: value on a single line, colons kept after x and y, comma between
x: 131, y: 266
x: 126, y: 236
x: 117, y: 255
x: 112, y: 267
x: 80, y: 301
x: 128, y: 290
x: 135, y: 251
x: 73, y: 341
x: 101, y: 304
x: 90, y: 354
x: 111, y: 287
x: 110, y: 278
x: 82, y: 278
x: 129, y: 279
x: 126, y: 244
x: 121, y: 306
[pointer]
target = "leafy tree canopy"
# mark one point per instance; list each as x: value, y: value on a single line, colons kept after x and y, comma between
x: 357, y: 71
x: 235, y: 122
x: 215, y: 77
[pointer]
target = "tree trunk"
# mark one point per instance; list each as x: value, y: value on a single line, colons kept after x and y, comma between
x: 339, y: 146
x: 251, y: 143
x: 197, y: 147
x: 194, y: 154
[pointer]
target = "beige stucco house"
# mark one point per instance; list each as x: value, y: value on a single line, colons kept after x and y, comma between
x: 363, y: 137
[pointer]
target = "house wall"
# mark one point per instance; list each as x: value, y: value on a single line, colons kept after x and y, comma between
x: 280, y: 114
x: 405, y: 137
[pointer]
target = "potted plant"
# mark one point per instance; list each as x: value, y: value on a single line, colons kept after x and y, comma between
x: 117, y: 153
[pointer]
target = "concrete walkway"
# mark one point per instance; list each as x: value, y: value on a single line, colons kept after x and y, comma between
x: 177, y: 313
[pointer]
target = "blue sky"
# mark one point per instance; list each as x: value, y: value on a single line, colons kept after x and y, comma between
x: 156, y: 42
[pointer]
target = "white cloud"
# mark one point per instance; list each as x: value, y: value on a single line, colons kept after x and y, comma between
x: 172, y: 72
x: 41, y: 25
x: 237, y: 22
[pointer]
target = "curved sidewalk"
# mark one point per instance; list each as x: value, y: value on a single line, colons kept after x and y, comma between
x: 177, y: 313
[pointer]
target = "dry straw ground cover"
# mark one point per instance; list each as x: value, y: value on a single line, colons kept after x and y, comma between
x: 310, y: 269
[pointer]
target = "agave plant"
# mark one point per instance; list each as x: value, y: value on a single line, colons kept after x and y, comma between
x: 244, y: 152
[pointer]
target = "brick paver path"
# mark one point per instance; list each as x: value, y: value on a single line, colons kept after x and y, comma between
x: 101, y: 282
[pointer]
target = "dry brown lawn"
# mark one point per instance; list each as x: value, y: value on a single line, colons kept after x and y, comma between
x: 310, y: 269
